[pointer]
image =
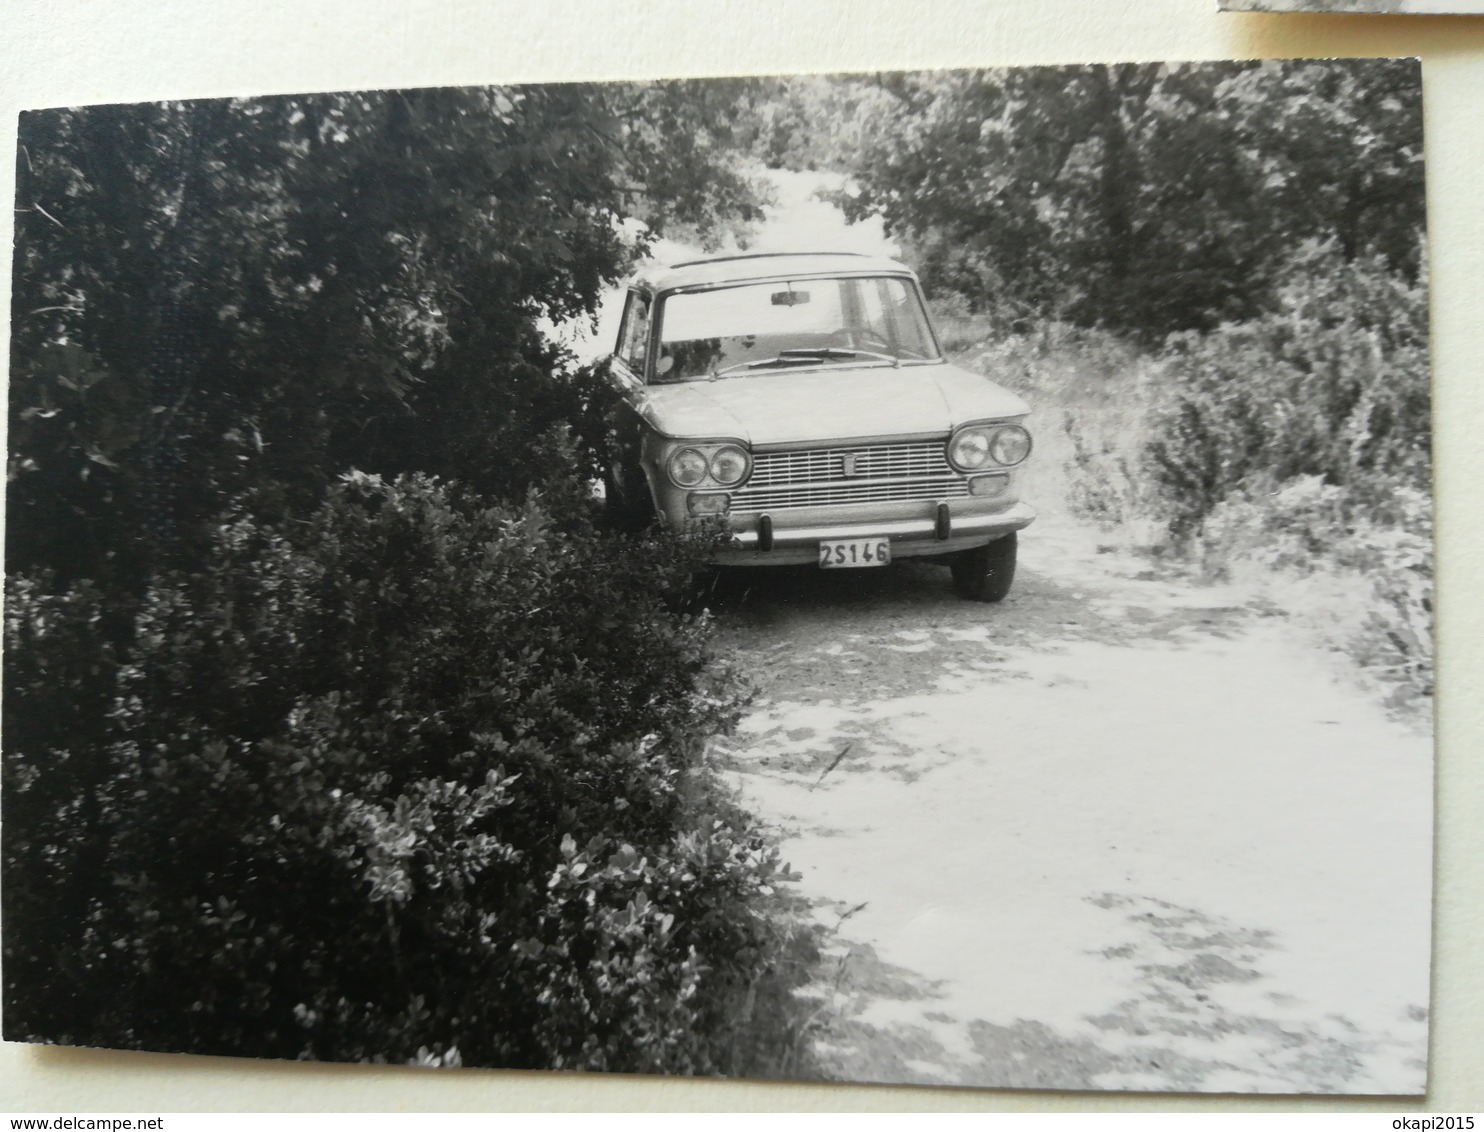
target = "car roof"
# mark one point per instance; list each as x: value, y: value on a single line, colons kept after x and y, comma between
x: 773, y: 265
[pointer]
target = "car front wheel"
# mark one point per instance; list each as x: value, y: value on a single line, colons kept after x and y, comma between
x: 986, y: 572
x: 626, y: 500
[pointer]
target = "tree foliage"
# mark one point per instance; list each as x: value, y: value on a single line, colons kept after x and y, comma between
x: 222, y: 295
x: 1146, y: 198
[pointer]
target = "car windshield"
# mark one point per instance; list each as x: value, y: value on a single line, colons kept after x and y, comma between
x: 804, y: 324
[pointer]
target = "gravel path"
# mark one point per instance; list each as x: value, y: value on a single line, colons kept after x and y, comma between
x: 1120, y: 832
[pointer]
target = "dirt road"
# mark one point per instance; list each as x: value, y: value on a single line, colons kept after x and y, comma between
x: 1119, y: 832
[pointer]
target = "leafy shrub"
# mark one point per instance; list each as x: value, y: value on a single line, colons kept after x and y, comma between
x: 959, y: 328
x: 59, y: 682
x: 414, y: 779
x: 1334, y: 384
x: 1102, y: 484
x: 1363, y: 580
x: 1298, y: 444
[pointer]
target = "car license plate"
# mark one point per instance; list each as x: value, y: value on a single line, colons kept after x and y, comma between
x: 848, y: 552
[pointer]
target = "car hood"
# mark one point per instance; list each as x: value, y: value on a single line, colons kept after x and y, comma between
x: 793, y: 405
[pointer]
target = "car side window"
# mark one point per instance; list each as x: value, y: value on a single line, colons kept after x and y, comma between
x: 633, y: 335
x: 892, y: 312
x: 873, y: 311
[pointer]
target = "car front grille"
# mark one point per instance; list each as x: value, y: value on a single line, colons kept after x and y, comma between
x: 823, y: 477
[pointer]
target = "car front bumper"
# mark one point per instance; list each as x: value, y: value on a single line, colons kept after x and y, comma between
x: 796, y: 538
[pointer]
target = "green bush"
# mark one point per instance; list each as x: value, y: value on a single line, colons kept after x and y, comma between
x: 59, y: 683
x: 413, y: 779
x: 1334, y: 384
x: 1298, y: 444
x: 1363, y: 577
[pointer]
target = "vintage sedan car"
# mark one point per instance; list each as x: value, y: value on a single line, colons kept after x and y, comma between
x: 803, y: 403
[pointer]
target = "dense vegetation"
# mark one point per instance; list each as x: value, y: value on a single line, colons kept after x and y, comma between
x: 333, y: 727
x: 1145, y: 199
x: 414, y: 776
x: 221, y: 296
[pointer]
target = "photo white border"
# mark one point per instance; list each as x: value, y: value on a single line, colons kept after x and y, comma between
x: 65, y: 52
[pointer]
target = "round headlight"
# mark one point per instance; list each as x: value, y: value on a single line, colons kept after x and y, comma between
x: 1010, y: 445
x: 729, y: 465
x: 687, y: 467
x: 969, y: 450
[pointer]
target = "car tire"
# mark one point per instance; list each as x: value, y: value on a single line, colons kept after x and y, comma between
x: 986, y: 572
x: 626, y: 502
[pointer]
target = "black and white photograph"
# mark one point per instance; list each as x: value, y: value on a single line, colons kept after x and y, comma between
x: 1391, y: 7
x: 910, y: 577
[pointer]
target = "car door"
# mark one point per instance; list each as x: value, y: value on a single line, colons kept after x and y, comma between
x: 629, y: 499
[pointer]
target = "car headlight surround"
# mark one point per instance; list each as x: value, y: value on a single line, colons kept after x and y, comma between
x: 988, y: 446
x: 709, y: 463
x: 730, y: 465
x: 1009, y: 445
x: 968, y: 450
x: 687, y: 466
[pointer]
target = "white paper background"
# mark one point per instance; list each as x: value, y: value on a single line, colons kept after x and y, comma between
x: 58, y: 52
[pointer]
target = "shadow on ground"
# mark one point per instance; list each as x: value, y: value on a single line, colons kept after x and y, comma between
x: 1173, y: 1035
x: 776, y: 619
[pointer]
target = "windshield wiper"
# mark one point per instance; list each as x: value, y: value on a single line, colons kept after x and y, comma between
x: 787, y: 357
x: 803, y: 356
x: 825, y: 352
